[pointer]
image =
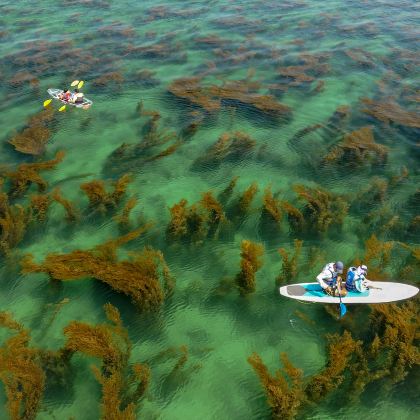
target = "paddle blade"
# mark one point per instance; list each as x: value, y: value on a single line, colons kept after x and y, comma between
x: 74, y: 83
x: 47, y: 102
x: 80, y: 85
x: 343, y: 310
x: 62, y: 108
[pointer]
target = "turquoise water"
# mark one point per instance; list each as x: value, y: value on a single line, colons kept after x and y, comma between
x: 130, y: 52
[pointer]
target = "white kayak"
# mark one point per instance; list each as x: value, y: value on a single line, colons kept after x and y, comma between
x: 56, y: 92
x: 382, y: 292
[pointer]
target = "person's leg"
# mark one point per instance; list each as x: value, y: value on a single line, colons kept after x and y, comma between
x: 329, y: 291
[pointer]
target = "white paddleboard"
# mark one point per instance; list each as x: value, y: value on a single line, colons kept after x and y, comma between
x: 56, y: 92
x: 384, y: 292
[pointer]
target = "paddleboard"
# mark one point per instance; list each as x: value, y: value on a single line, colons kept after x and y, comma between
x: 55, y: 92
x: 384, y: 292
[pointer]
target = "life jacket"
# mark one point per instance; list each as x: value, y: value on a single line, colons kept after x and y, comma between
x: 66, y: 96
x: 354, y: 281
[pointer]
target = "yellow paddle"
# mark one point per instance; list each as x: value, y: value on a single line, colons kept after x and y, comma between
x: 74, y: 83
x: 80, y: 85
x: 62, y: 108
x: 47, y: 102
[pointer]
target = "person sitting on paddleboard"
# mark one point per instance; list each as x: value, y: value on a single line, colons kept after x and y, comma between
x: 356, y: 279
x: 329, y: 279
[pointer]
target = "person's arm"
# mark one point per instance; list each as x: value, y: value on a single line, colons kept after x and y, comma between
x: 367, y: 283
x: 321, y: 277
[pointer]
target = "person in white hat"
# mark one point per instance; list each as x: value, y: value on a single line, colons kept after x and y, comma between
x: 329, y: 279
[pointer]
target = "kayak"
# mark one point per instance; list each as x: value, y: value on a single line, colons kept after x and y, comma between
x: 56, y: 92
x: 382, y: 292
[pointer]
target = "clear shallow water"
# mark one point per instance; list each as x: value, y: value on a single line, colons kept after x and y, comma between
x: 245, y: 40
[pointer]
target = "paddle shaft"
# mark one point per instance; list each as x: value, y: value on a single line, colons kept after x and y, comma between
x: 342, y: 312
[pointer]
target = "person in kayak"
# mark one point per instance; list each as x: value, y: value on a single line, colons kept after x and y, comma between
x: 356, y: 280
x: 329, y: 279
x: 76, y: 97
x: 79, y: 99
x: 65, y: 95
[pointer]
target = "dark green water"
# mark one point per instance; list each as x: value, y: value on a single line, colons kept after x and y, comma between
x: 355, y: 50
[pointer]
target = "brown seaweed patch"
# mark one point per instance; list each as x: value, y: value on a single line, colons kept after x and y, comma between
x: 271, y: 207
x: 100, y: 199
x: 391, y: 112
x: 294, y: 216
x: 322, y: 209
x: 165, y: 50
x: 319, y: 86
x: 289, y: 268
x: 22, y: 77
x: 247, y: 197
x: 376, y: 192
x: 316, y: 257
x: 33, y: 139
x: 144, y: 277
x: 214, y: 209
x: 396, y: 332
x: 244, y: 92
x: 377, y: 256
x: 383, y: 221
x: 251, y: 262
x: 210, y: 40
x: 114, y: 77
x: 36, y: 55
x: 178, y: 226
x: 146, y: 78
x: 197, y: 221
x: 13, y: 222
x: 241, y: 92
x: 149, y: 149
x: 123, y: 219
x: 116, y: 30
x: 27, y: 174
x: 72, y: 213
x: 310, y: 66
x: 20, y: 372
x: 166, y: 152
x: 226, y: 194
x: 296, y: 74
x: 122, y: 384
x: 284, y: 390
x: 361, y: 57
x: 341, y: 350
x: 358, y: 146
x: 38, y: 207
x: 190, y: 90
x: 228, y: 147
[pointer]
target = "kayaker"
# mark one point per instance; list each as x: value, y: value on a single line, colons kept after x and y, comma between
x: 65, y: 95
x: 329, y: 279
x: 356, y: 279
x: 76, y: 97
